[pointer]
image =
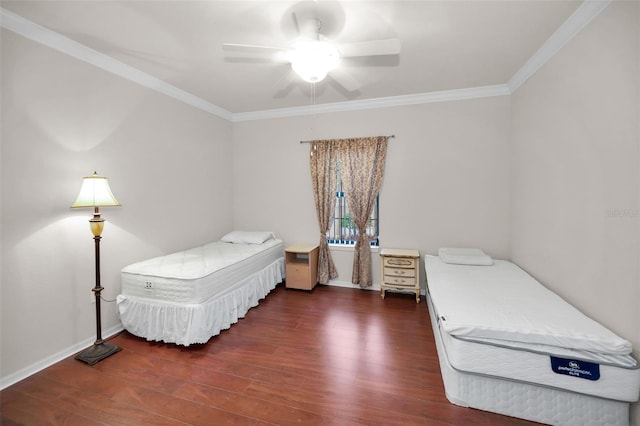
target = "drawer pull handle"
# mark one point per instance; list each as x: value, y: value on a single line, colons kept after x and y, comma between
x: 402, y: 262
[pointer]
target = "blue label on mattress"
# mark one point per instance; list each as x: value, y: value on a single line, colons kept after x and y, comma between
x: 571, y: 367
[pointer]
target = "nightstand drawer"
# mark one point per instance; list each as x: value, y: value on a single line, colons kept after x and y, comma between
x: 297, y: 273
x: 398, y: 272
x: 400, y: 281
x: 399, y: 262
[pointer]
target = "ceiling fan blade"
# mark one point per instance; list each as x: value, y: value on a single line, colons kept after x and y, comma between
x: 389, y: 46
x: 252, y: 60
x: 234, y: 47
x: 344, y: 79
x: 284, y: 83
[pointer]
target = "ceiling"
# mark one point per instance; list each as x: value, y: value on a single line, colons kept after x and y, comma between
x: 445, y: 45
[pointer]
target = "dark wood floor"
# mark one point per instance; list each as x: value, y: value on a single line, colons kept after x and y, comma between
x: 335, y: 356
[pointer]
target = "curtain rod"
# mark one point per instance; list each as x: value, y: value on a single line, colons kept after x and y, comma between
x: 390, y: 136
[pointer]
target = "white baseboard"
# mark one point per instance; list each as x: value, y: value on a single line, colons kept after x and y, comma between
x: 50, y: 360
x: 347, y: 284
x: 374, y: 287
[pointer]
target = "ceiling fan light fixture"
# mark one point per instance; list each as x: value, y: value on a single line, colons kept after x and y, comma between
x: 313, y: 59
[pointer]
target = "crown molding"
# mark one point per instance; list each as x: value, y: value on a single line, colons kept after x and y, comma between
x: 54, y: 40
x: 389, y: 101
x: 579, y: 19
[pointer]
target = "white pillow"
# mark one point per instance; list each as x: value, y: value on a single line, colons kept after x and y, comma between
x: 465, y: 256
x: 247, y: 237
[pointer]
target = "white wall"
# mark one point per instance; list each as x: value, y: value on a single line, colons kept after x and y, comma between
x: 167, y: 163
x: 576, y: 173
x: 446, y: 177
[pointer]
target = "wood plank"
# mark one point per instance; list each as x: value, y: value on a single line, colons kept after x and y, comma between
x: 331, y: 356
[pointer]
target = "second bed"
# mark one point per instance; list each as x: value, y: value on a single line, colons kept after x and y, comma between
x: 189, y: 296
x: 509, y: 345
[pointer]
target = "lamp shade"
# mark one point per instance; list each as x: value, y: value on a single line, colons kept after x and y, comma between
x: 95, y: 192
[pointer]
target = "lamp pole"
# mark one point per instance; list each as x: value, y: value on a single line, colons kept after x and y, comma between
x: 94, y: 193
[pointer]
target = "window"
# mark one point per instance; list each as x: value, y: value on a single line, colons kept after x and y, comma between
x: 343, y: 230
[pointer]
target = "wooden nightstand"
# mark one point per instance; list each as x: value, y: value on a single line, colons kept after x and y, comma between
x: 301, y: 270
x: 400, y: 270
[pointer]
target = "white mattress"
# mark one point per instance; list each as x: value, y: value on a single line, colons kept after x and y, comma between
x: 198, y: 274
x: 503, y: 297
x: 615, y: 382
x: 530, y: 401
x: 504, y: 304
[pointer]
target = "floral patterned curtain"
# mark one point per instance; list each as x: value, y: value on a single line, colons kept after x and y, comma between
x: 361, y: 169
x: 323, y: 160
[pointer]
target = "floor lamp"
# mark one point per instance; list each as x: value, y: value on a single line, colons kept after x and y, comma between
x: 95, y: 192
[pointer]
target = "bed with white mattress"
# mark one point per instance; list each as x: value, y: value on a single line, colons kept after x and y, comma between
x: 509, y: 345
x: 189, y: 296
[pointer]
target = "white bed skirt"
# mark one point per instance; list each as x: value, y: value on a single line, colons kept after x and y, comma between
x: 186, y: 324
x: 524, y: 400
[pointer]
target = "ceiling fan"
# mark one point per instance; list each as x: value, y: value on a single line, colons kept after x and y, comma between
x: 313, y: 56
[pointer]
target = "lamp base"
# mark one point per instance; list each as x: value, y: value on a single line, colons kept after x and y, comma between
x: 98, y: 352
